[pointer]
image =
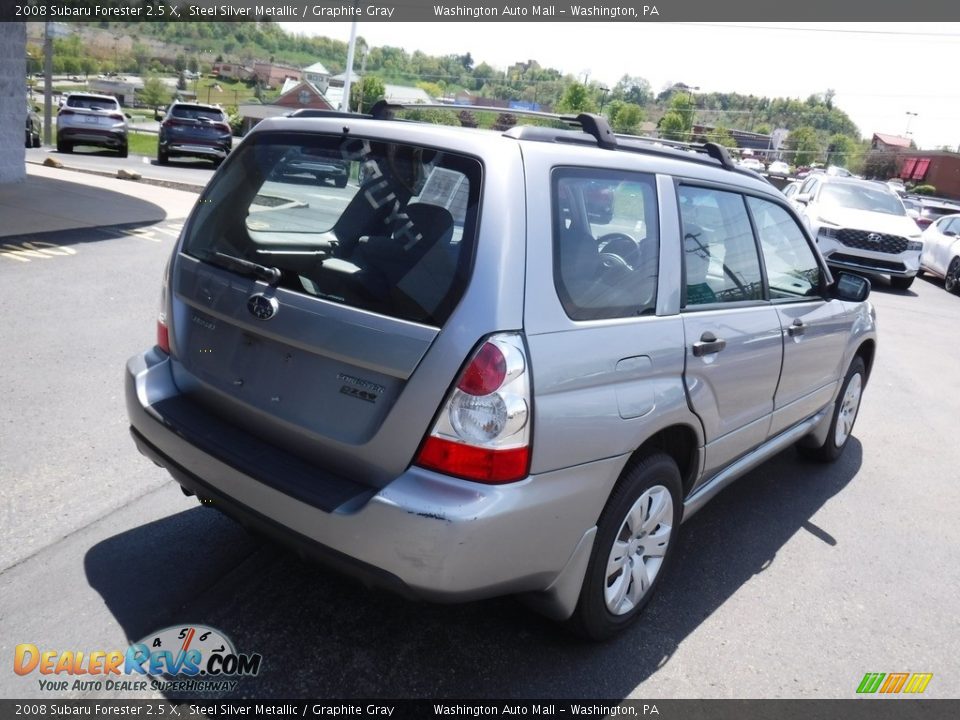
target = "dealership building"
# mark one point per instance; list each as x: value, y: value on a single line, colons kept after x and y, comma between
x: 13, y: 100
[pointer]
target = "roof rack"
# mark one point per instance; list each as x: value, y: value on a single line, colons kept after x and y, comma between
x: 593, y: 126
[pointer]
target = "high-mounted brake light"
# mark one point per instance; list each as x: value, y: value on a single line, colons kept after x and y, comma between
x: 483, y: 430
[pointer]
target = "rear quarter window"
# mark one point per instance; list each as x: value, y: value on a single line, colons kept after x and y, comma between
x: 606, y: 239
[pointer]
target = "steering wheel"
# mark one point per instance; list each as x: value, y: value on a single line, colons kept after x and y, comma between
x: 620, y: 246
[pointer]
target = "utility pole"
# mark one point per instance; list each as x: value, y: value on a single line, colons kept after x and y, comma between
x: 345, y: 102
x: 47, y: 83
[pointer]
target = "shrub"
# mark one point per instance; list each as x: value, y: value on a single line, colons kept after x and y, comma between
x: 924, y: 190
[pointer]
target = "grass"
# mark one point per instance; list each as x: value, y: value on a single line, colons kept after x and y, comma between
x: 141, y: 143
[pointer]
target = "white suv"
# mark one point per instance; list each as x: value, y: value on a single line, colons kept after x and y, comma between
x: 861, y: 225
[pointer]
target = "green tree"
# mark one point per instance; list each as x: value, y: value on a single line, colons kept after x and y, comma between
x: 803, y: 145
x: 180, y: 63
x: 365, y: 93
x: 840, y: 150
x: 576, y: 99
x: 625, y: 117
x: 154, y: 92
x: 672, y: 126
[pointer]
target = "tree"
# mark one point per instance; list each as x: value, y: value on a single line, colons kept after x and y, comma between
x: 366, y: 92
x: 467, y: 119
x: 576, y: 99
x: 840, y: 150
x: 632, y: 90
x: 180, y: 63
x: 154, y: 93
x: 673, y: 127
x: 181, y: 82
x: 625, y: 117
x: 803, y: 144
x: 193, y: 65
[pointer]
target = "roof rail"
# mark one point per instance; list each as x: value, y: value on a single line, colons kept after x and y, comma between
x: 595, y: 125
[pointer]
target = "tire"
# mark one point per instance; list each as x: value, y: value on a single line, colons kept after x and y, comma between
x: 340, y: 182
x: 844, y: 415
x: 951, y: 281
x: 901, y: 283
x: 64, y: 147
x: 162, y: 158
x: 123, y: 151
x: 36, y: 140
x: 645, y: 504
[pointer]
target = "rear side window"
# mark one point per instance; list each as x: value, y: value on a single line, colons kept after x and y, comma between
x: 606, y: 242
x: 399, y: 242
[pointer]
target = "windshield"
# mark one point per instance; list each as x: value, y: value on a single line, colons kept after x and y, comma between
x: 92, y: 103
x: 192, y: 112
x: 378, y: 226
x: 858, y: 197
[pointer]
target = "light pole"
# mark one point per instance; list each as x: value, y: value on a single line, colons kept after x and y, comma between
x: 603, y: 96
x: 910, y: 116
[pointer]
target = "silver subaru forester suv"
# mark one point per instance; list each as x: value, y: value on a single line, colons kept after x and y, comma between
x: 505, y: 363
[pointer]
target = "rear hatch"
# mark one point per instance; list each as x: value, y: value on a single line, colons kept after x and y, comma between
x: 196, y: 124
x: 301, y: 312
x: 90, y: 111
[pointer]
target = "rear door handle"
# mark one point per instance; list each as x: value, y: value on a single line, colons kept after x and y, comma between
x: 797, y: 328
x: 709, y: 343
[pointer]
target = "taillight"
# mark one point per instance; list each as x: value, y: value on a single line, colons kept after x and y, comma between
x: 116, y: 116
x: 163, y: 331
x: 222, y: 127
x: 483, y: 430
x: 923, y: 222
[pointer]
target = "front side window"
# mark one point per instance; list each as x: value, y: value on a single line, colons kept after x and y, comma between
x: 719, y: 253
x: 792, y: 268
x: 606, y: 242
x: 400, y: 243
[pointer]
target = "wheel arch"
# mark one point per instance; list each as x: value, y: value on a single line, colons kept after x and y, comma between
x: 681, y: 443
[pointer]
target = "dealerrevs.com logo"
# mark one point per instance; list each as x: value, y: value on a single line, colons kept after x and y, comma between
x: 192, y: 658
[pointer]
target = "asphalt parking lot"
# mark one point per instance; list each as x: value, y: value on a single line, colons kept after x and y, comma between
x: 794, y: 582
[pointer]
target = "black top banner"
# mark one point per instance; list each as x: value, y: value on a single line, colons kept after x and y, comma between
x: 631, y: 11
x: 190, y: 709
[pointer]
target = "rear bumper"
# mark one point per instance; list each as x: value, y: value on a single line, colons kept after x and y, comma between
x: 194, y: 147
x: 424, y: 534
x: 91, y: 136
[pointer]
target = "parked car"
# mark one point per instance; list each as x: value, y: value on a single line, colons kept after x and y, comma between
x: 34, y: 126
x: 751, y: 163
x: 314, y: 167
x: 509, y: 363
x: 941, y: 251
x: 929, y: 209
x: 194, y: 130
x: 896, y: 184
x: 861, y: 225
x: 778, y: 168
x: 791, y: 189
x: 87, y: 119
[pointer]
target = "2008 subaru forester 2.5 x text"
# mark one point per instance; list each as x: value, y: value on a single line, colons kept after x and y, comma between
x: 507, y: 363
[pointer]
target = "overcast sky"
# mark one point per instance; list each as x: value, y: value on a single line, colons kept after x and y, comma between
x: 880, y: 71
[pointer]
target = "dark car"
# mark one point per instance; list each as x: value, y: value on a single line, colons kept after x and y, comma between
x: 194, y: 130
x: 34, y: 126
x: 312, y: 167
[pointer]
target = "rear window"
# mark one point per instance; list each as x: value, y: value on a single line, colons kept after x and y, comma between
x: 384, y: 227
x: 91, y: 103
x: 193, y: 112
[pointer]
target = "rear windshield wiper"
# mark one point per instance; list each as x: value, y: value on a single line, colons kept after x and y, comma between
x: 270, y: 275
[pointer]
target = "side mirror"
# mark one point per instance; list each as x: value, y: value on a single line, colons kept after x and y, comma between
x: 850, y: 287
x: 128, y: 116
x: 36, y: 108
x: 802, y: 198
